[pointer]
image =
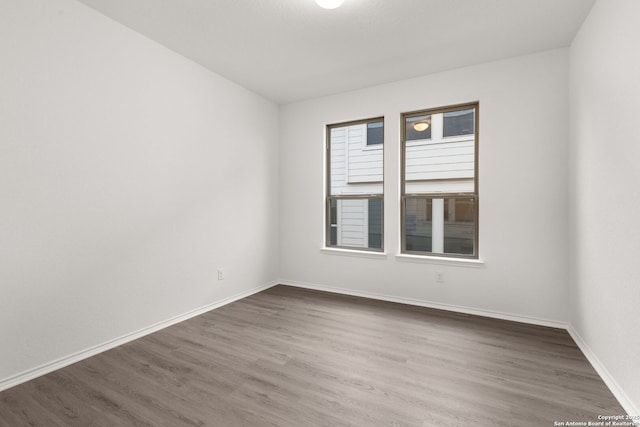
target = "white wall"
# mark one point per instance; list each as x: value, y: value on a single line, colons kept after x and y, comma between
x: 522, y: 187
x: 605, y: 190
x: 124, y: 183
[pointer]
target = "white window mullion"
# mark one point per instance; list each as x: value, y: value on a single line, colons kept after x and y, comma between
x: 365, y: 222
x: 437, y: 226
x: 339, y: 222
x: 437, y: 127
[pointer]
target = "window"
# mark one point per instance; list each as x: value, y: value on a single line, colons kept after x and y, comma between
x: 419, y: 128
x: 354, y: 204
x: 439, y: 206
x: 458, y: 123
x: 375, y: 133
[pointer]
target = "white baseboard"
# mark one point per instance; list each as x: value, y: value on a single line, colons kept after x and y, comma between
x: 92, y: 351
x: 626, y: 403
x: 430, y: 304
x: 608, y: 379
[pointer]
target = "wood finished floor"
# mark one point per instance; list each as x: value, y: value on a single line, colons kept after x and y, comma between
x: 294, y: 357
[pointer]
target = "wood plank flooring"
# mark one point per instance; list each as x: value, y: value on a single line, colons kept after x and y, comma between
x: 292, y: 357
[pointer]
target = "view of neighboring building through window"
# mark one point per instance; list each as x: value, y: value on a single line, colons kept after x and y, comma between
x: 439, y: 181
x: 375, y: 133
x: 355, y: 185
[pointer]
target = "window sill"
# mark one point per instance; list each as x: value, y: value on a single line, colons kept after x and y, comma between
x: 460, y: 262
x: 354, y: 253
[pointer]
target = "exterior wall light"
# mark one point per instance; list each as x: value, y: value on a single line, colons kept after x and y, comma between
x: 421, y: 126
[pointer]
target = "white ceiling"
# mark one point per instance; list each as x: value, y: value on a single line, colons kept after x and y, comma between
x: 289, y: 50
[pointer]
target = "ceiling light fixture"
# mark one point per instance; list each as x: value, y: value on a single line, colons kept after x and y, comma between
x: 329, y: 4
x: 422, y: 125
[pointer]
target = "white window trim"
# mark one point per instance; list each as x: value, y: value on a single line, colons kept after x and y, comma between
x: 441, y: 260
x: 353, y: 253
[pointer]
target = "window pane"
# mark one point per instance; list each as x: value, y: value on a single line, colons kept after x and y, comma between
x: 333, y: 238
x: 358, y: 223
x: 375, y: 133
x: 375, y: 223
x: 418, y: 224
x: 440, y: 225
x: 417, y: 128
x: 443, y: 165
x: 458, y: 123
x: 353, y: 169
x: 459, y: 225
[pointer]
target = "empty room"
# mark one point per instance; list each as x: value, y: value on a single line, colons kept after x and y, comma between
x: 319, y: 213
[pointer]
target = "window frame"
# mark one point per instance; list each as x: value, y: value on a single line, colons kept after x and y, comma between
x: 440, y: 195
x: 329, y: 197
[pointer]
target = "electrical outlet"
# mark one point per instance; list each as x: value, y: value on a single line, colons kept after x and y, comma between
x: 220, y: 274
x: 439, y: 277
